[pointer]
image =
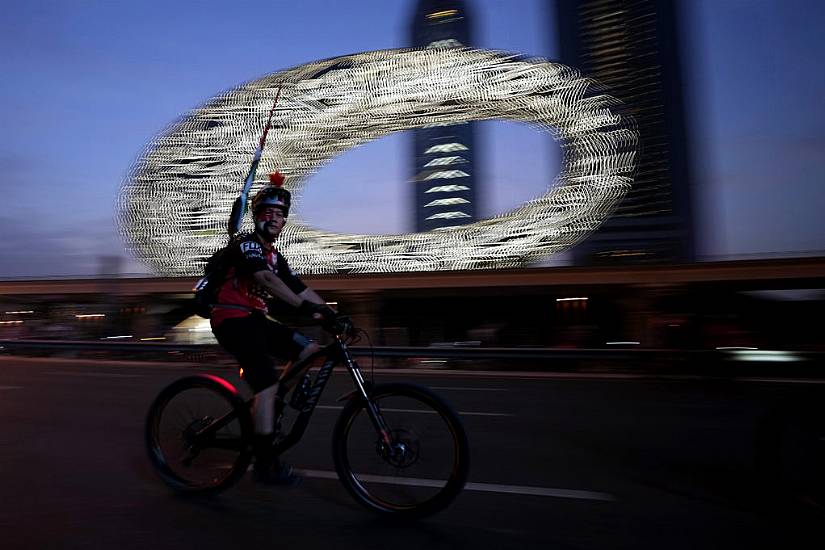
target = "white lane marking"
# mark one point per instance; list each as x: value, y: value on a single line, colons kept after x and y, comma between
x: 96, y: 374
x: 11, y: 387
x: 463, y: 413
x: 465, y: 389
x: 540, y: 491
x: 466, y: 413
x: 482, y: 487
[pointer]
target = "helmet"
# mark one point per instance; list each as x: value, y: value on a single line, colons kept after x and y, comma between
x: 272, y: 195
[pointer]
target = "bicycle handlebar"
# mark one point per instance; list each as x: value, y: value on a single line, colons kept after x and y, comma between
x: 341, y: 326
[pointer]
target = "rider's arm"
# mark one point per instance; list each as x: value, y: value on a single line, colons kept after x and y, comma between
x: 277, y: 287
x: 285, y: 285
x: 312, y: 296
x: 305, y: 293
x: 295, y: 284
x: 251, y: 262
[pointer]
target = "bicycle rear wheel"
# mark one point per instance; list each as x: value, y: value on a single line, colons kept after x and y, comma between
x: 426, y: 464
x: 199, y: 434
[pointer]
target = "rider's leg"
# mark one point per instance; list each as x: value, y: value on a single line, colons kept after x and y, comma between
x: 264, y: 410
x: 263, y: 379
x: 252, y: 340
x: 273, y: 338
x: 246, y: 339
x: 294, y: 370
x: 268, y: 468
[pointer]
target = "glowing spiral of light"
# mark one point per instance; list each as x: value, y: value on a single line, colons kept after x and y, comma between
x: 176, y: 199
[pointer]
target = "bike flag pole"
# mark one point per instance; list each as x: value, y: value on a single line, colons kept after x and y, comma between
x: 239, y: 206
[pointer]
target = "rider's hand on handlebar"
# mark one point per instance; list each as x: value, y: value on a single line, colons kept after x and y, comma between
x: 320, y: 312
x: 341, y: 326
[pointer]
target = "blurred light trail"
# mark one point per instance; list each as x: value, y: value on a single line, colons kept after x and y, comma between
x: 178, y: 196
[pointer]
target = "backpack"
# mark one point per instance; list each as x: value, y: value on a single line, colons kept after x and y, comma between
x: 214, y: 275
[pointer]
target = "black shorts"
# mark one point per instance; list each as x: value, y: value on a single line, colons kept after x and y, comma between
x: 254, y: 340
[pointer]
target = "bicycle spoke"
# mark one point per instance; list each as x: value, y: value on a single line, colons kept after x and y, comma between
x: 419, y: 469
x: 189, y: 449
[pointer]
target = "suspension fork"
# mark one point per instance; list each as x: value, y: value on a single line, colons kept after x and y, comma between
x: 372, y: 409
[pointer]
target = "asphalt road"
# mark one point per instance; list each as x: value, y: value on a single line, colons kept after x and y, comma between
x: 557, y: 462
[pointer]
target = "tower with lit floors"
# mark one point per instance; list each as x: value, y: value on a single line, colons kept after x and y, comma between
x: 633, y: 47
x: 444, y: 174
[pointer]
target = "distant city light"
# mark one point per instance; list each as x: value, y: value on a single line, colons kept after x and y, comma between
x: 445, y: 161
x: 446, y: 148
x: 448, y: 216
x: 440, y: 14
x: 769, y: 356
x: 447, y: 202
x: 175, y: 202
x: 447, y: 174
x: 448, y: 43
x: 447, y: 189
x: 90, y: 315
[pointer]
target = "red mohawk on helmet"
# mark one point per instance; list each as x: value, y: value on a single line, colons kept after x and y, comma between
x: 276, y: 179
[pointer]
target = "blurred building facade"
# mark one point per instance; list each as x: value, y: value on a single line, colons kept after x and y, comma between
x: 633, y: 48
x: 765, y: 304
x: 444, y: 171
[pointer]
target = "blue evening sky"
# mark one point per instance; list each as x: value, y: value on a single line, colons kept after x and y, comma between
x: 86, y: 84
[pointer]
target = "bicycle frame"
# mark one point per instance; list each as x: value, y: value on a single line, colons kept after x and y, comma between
x: 334, y: 353
x: 368, y: 454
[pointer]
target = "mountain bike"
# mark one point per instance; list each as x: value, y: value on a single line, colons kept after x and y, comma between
x: 398, y: 448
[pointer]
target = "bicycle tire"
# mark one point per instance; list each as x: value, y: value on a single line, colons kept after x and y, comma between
x: 374, y: 480
x: 230, y: 449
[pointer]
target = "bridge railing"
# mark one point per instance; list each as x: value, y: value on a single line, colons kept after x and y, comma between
x: 717, y: 362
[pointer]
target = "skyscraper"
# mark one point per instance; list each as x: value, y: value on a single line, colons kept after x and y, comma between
x: 632, y: 47
x: 444, y: 175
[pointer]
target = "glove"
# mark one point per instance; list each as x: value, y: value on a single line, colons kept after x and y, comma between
x: 311, y: 308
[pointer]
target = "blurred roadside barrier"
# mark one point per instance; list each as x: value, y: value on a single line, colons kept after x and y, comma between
x: 457, y: 356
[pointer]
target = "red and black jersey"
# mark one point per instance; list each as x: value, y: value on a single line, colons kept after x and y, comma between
x: 246, y: 257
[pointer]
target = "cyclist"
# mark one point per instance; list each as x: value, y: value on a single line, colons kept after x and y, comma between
x: 257, y: 273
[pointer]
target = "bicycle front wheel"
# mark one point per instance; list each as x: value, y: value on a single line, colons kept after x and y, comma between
x: 198, y: 435
x: 422, y: 467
